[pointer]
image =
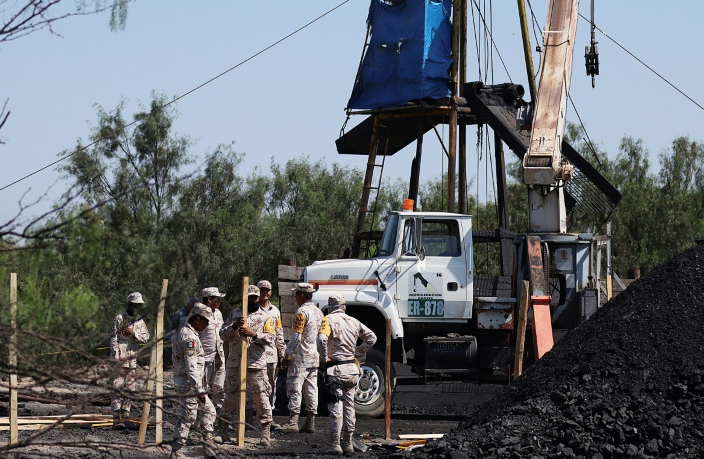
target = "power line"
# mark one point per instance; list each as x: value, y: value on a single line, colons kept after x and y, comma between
x: 186, y: 93
x: 644, y: 64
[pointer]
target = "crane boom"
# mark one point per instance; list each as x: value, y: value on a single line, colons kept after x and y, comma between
x: 543, y: 163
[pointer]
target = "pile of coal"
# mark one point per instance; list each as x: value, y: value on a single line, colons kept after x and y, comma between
x: 625, y: 384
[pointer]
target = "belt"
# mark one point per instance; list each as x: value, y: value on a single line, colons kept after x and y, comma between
x: 332, y: 363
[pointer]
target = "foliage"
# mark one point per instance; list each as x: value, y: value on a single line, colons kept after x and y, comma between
x: 139, y: 219
x: 21, y: 18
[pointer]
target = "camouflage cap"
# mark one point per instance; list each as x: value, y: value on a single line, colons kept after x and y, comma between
x: 336, y: 300
x: 199, y: 309
x: 264, y: 284
x: 304, y: 287
x: 252, y: 290
x: 135, y: 297
x: 211, y: 291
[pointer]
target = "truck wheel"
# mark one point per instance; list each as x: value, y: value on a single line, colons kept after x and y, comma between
x: 369, y: 396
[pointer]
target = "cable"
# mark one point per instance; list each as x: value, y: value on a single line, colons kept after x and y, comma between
x: 584, y: 129
x: 186, y: 93
x: 644, y: 64
x: 492, y: 41
x: 538, y: 42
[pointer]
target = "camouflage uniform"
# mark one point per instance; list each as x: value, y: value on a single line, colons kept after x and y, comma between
x: 258, y: 387
x: 278, y: 347
x: 302, y: 377
x: 123, y: 348
x: 214, y: 373
x: 188, y: 366
x: 337, y: 344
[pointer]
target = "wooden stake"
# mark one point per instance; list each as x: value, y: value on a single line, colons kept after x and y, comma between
x: 521, y: 329
x: 387, y: 382
x: 12, y: 348
x: 242, y: 399
x: 159, y: 381
x: 156, y: 375
x: 147, y: 405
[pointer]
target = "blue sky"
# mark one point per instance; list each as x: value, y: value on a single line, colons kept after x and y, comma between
x: 290, y: 100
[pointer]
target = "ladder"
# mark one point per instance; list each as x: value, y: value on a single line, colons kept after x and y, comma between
x: 365, y: 236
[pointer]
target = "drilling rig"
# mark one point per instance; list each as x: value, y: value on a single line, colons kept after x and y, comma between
x: 420, y: 273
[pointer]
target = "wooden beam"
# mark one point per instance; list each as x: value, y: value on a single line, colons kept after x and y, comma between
x: 521, y: 329
x: 242, y: 393
x: 12, y: 349
x: 141, y: 437
x: 159, y: 380
x: 289, y: 273
x: 387, y: 383
x: 156, y: 375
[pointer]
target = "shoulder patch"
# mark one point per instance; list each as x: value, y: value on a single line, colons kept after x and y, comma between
x: 190, y: 347
x: 325, y: 327
x: 269, y: 326
x: 299, y: 323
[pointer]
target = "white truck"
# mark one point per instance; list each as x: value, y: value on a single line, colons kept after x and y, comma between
x: 445, y: 318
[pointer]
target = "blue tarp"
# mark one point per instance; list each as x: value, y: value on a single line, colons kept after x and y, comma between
x: 409, y: 54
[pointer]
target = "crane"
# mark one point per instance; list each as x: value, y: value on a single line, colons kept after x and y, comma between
x: 543, y: 166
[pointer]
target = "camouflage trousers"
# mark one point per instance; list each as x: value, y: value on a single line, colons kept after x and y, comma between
x: 342, y: 415
x: 214, y: 382
x: 258, y: 390
x: 272, y: 371
x: 302, y: 382
x: 188, y: 410
x: 125, y: 381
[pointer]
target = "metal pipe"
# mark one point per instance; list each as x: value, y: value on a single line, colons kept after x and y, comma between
x: 527, y: 52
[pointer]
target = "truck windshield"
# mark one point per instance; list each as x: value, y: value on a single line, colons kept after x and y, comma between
x: 388, y: 239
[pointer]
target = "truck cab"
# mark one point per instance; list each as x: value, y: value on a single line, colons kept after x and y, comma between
x: 420, y: 280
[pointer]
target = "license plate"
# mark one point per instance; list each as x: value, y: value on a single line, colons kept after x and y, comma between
x: 426, y: 308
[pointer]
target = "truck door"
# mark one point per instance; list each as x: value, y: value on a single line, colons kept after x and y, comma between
x: 431, y: 270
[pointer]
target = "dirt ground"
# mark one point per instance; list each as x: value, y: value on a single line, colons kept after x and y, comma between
x: 435, y: 408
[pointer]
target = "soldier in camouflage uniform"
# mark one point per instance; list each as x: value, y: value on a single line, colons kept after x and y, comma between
x: 213, y: 347
x: 189, y: 363
x: 128, y: 332
x: 259, y: 329
x: 337, y: 344
x: 274, y: 353
x: 301, y: 358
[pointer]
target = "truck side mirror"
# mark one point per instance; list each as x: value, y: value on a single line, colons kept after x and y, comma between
x: 417, y: 238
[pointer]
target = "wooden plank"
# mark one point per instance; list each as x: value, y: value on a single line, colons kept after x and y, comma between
x: 285, y: 289
x: 420, y: 436
x: 290, y: 272
x: 159, y: 380
x: 288, y: 331
x: 242, y: 393
x: 521, y: 329
x: 287, y: 318
x: 52, y: 418
x: 387, y: 383
x: 142, y: 435
x: 29, y: 427
x: 12, y: 350
x: 21, y: 422
x: 288, y: 304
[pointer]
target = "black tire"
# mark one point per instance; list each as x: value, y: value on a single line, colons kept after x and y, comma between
x: 370, y: 393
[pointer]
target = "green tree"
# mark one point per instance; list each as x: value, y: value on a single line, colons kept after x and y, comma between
x: 135, y: 171
x: 316, y: 209
x: 216, y: 237
x: 680, y: 209
x: 633, y: 225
